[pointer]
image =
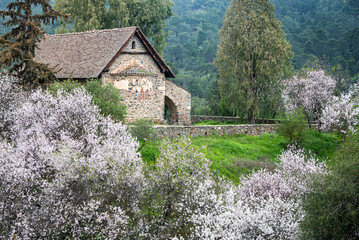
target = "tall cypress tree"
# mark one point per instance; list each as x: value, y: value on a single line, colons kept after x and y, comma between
x: 253, y: 55
x: 17, y: 47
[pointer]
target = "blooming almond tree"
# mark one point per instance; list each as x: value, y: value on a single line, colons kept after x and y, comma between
x: 70, y: 173
x: 309, y: 92
x: 11, y: 97
x: 341, y: 113
x: 180, y: 186
x: 266, y: 206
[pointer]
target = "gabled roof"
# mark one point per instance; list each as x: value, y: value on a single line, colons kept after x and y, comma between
x: 89, y: 54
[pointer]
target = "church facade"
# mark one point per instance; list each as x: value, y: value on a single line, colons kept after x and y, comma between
x: 125, y: 58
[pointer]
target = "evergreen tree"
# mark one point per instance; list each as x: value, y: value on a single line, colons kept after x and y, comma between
x: 18, y: 45
x: 252, y: 56
x: 148, y: 15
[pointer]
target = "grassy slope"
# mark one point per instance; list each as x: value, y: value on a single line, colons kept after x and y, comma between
x: 233, y: 156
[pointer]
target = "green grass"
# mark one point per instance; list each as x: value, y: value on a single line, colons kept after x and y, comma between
x: 235, y: 156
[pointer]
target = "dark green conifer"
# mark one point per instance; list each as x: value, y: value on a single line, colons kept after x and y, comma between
x: 17, y: 47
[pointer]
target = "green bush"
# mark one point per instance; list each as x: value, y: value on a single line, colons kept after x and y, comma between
x: 332, y: 208
x: 143, y: 130
x: 108, y: 98
x: 293, y: 127
x: 105, y: 96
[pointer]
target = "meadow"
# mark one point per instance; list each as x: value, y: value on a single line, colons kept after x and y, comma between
x: 238, y: 155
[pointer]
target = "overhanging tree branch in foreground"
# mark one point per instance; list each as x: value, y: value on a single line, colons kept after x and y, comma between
x: 253, y: 55
x: 17, y: 47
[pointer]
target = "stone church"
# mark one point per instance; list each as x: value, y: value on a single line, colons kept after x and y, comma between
x: 125, y: 58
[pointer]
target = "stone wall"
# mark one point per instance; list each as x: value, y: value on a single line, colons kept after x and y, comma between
x: 200, y: 118
x: 194, y: 131
x: 179, y: 102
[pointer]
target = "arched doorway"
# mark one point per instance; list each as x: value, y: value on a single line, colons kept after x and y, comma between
x: 171, y: 112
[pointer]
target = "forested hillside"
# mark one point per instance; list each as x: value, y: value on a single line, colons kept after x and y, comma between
x: 326, y: 29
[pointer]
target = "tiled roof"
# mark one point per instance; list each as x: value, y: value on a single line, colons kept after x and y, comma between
x: 88, y: 54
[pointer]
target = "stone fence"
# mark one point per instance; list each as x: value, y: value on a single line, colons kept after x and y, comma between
x: 200, y: 118
x: 173, y: 131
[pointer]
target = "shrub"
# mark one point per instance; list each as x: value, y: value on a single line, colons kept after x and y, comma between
x: 293, y: 127
x: 143, y: 131
x: 332, y: 210
x: 105, y: 96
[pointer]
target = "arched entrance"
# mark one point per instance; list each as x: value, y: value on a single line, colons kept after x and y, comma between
x: 171, y: 112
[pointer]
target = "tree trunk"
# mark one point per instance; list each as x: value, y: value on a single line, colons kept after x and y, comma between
x: 251, y: 118
x: 308, y: 119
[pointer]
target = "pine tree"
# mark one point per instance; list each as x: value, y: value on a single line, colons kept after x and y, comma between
x: 252, y: 54
x: 17, y: 47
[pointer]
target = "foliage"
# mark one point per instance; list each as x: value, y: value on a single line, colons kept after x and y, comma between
x: 18, y: 45
x: 267, y: 205
x: 332, y: 206
x: 148, y: 15
x: 341, y: 113
x: 105, y: 96
x: 309, y: 92
x: 253, y: 55
x: 199, y: 106
x: 70, y: 173
x: 293, y: 127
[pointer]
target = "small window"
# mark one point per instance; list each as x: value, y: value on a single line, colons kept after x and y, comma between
x: 133, y: 45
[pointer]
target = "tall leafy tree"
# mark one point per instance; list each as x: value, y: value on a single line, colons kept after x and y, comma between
x: 17, y: 47
x: 87, y: 15
x: 253, y: 55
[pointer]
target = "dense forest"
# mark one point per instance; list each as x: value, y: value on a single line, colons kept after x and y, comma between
x: 327, y: 30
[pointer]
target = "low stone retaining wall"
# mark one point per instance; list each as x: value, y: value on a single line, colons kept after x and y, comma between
x: 173, y: 131
x: 200, y: 118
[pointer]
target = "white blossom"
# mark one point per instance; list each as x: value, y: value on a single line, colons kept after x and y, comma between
x: 309, y: 93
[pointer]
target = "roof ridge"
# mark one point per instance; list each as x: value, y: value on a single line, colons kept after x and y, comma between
x: 89, y: 32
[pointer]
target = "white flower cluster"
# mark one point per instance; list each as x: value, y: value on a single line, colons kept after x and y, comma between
x: 69, y: 172
x: 11, y: 97
x: 266, y: 206
x: 341, y: 113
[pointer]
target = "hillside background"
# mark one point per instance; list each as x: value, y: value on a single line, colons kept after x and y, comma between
x: 326, y: 29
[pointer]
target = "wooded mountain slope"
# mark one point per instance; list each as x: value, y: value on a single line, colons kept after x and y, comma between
x: 326, y: 29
